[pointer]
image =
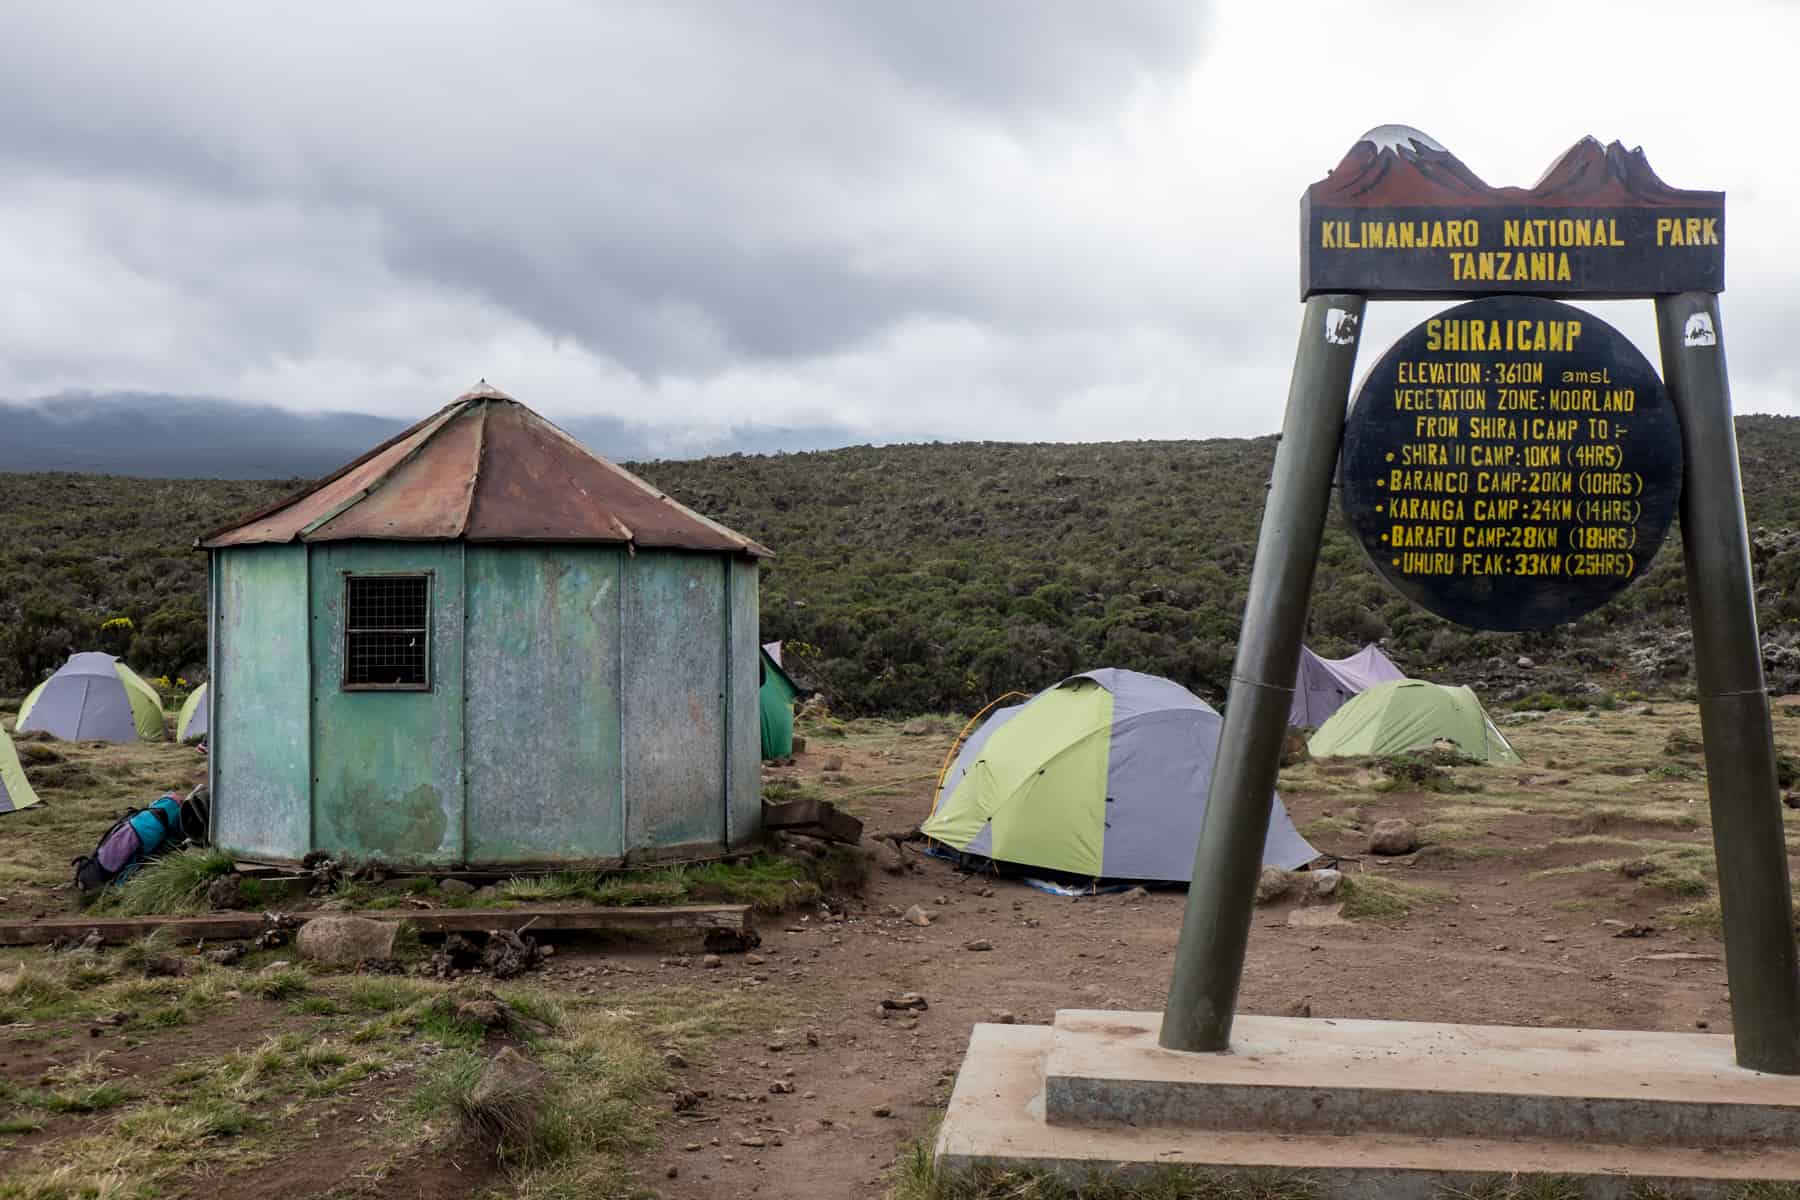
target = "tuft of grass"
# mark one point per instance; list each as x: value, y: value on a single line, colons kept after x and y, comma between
x: 284, y: 983
x: 386, y: 994
x: 1380, y: 898
x: 1512, y: 1187
x: 173, y: 883
x: 914, y: 1178
x: 90, y: 1099
x: 317, y: 1006
x: 28, y: 992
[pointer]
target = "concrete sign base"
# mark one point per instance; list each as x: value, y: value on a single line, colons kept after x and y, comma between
x: 1371, y: 1109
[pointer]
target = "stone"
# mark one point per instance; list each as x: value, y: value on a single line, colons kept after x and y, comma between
x: 884, y: 1110
x: 1319, y: 917
x: 345, y: 940
x: 1323, y: 883
x: 227, y: 891
x: 917, y: 916
x: 1525, y: 663
x: 673, y: 1060
x: 1393, y: 836
x: 978, y: 944
x: 907, y: 1001
x: 1002, y: 1017
x: 781, y: 1087
x: 893, y: 911
x: 1272, y: 884
x: 456, y: 887
x: 755, y: 960
x: 712, y: 960
x: 917, y: 727
x: 1133, y: 895
x: 833, y: 764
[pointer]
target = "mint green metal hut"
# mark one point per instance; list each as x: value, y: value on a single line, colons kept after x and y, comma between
x: 482, y: 644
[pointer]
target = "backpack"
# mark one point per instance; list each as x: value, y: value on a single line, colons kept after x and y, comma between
x: 138, y: 835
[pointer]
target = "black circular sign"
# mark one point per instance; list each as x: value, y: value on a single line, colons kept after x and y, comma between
x: 1511, y: 463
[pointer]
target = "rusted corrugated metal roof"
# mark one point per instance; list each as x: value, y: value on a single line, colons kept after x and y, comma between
x: 484, y: 469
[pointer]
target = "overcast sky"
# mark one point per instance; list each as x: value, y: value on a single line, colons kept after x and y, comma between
x: 1016, y: 219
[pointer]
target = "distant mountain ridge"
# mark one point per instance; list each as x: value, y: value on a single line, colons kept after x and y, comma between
x: 158, y: 436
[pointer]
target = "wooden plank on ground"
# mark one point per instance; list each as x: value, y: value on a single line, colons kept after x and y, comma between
x: 228, y: 925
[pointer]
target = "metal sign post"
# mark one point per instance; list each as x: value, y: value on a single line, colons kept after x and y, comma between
x: 1209, y: 960
x: 1541, y: 485
x: 1748, y: 839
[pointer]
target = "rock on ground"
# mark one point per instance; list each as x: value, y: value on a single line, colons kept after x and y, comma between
x: 227, y: 891
x: 1273, y: 884
x: 1323, y: 883
x: 344, y: 940
x: 1393, y: 836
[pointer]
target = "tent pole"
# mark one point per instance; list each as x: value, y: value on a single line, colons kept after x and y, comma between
x: 1209, y: 958
x: 1741, y: 778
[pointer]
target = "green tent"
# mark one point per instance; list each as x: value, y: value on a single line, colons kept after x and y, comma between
x: 1411, y: 714
x: 1105, y: 776
x: 776, y: 699
x: 15, y: 789
x: 194, y: 719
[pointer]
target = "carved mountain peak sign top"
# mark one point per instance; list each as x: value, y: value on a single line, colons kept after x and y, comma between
x: 1402, y: 217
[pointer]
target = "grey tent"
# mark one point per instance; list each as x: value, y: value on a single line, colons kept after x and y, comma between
x: 93, y: 697
x: 1323, y: 684
x: 1103, y: 776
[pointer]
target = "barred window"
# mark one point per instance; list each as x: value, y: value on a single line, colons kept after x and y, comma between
x: 387, y: 632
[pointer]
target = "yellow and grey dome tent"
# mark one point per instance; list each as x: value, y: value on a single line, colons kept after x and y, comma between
x: 15, y: 789
x: 93, y: 697
x: 1411, y: 714
x: 191, y: 722
x: 1104, y: 775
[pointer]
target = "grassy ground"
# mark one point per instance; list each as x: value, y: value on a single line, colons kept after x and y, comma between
x: 85, y: 786
x: 1624, y: 792
x: 400, y: 1057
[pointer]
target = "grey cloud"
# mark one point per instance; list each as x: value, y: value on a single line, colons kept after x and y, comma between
x: 675, y: 186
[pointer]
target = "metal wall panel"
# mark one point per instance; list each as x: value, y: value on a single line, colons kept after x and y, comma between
x: 674, y: 700
x: 541, y: 671
x: 388, y: 765
x: 744, y: 767
x: 260, y: 749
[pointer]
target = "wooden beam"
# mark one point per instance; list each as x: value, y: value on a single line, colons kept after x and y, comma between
x: 227, y: 925
x: 815, y: 818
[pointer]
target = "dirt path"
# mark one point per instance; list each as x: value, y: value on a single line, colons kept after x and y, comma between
x: 1511, y: 947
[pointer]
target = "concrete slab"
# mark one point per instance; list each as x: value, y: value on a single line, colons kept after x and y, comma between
x: 1415, y: 1079
x: 996, y: 1118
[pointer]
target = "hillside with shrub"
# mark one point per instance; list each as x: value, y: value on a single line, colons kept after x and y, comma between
x: 931, y: 577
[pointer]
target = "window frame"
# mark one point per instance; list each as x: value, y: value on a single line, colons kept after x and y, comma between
x: 429, y: 577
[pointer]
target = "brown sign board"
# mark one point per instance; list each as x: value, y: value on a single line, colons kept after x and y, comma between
x: 1402, y: 218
